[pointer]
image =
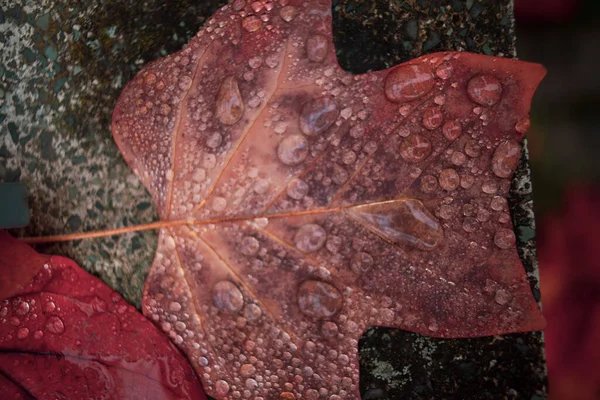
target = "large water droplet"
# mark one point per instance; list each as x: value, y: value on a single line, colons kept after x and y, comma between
x: 429, y: 184
x: 288, y: 13
x: 415, y: 148
x: 252, y: 312
x: 22, y: 333
x: 22, y: 308
x: 329, y: 329
x: 316, y: 48
x: 404, y: 222
x: 310, y: 237
x: 319, y: 299
x: 361, y: 262
x: 504, y: 238
x: 227, y: 296
x: 252, y: 23
x: 249, y: 246
x: 214, y: 140
x: 451, y: 130
x: 449, y: 179
x: 318, y: 115
x: 432, y: 118
x: 297, y: 189
x: 292, y: 149
x: 485, y: 90
x: 55, y: 325
x: 221, y: 387
x: 247, y: 370
x: 506, y: 158
x: 230, y: 106
x: 409, y: 82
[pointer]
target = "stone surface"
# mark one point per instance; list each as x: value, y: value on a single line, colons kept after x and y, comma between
x: 62, y: 65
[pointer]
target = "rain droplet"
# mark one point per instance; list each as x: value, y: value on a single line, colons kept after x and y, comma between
x: 297, y: 189
x: 415, y: 148
x: 261, y: 186
x: 470, y: 224
x: 292, y: 149
x: 219, y: 204
x: 349, y: 157
x: 221, y: 387
x: 429, y: 184
x: 444, y: 71
x: 310, y: 237
x: 458, y: 158
x: 255, y: 62
x: 449, y: 179
x: 504, y: 238
x: 451, y: 130
x: 319, y: 299
x: 506, y: 158
x: 251, y: 384
x: 249, y: 246
x: 175, y: 306
x: 466, y: 181
x: 247, y: 370
x: 329, y: 329
x: 287, y: 396
x: 22, y: 333
x: 433, y: 118
x: 498, y: 203
x: 252, y: 23
x: 252, y: 312
x: 502, y: 297
x: 316, y: 48
x: 472, y: 148
x: 22, y: 308
x: 361, y: 262
x: 227, y: 296
x: 409, y: 82
x: 405, y: 222
x: 317, y: 115
x: 165, y: 109
x: 199, y: 175
x: 522, y: 125
x: 55, y: 325
x: 288, y: 13
x: 272, y: 61
x: 484, y: 89
x: 38, y: 334
x: 230, y: 106
x: 49, y: 307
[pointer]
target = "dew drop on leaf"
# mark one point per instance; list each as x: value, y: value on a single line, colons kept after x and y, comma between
x: 310, y: 237
x: 292, y: 149
x: 318, y: 115
x: 484, y: 89
x: 55, y: 325
x: 319, y: 299
x: 316, y: 48
x: 409, y: 82
x: 227, y: 297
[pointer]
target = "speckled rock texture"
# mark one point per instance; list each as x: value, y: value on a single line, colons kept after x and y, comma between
x: 62, y: 66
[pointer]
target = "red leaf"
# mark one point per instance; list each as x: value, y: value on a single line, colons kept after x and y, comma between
x: 320, y: 203
x: 66, y: 335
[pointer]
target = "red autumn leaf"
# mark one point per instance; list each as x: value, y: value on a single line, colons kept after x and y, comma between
x: 319, y: 203
x: 66, y: 335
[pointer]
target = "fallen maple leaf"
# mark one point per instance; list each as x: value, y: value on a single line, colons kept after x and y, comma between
x: 320, y: 203
x: 66, y: 335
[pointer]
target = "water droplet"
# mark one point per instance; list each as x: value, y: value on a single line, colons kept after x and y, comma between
x: 483, y: 215
x: 466, y: 181
x: 251, y: 384
x: 22, y: 308
x: 409, y: 82
x: 458, y: 158
x: 249, y: 246
x: 506, y: 158
x: 292, y: 149
x: 214, y: 140
x: 252, y: 312
x: 349, y: 157
x: 316, y: 48
x: 219, y: 204
x: 361, y: 262
x: 255, y: 62
x: 199, y: 175
x: 221, y: 387
x: 429, y: 184
x: 433, y: 326
x: 38, y: 334
x: 433, y: 118
x: 484, y: 89
x: 339, y: 175
x: 504, y: 238
x: 472, y: 148
x: 310, y: 237
x: 312, y: 394
x: 247, y: 370
x: 287, y: 396
x: 98, y: 305
x: 22, y: 333
x: 470, y: 224
x: 444, y: 71
x: 445, y: 212
x: 415, y: 148
x: 230, y: 106
x: 357, y: 131
x: 319, y: 299
x: 252, y: 23
x: 498, y: 203
x: 288, y: 13
x: 49, y: 307
x: 451, y: 130
x: 318, y: 115
x: 333, y: 244
x: 489, y: 187
x: 55, y: 325
x: 3, y: 312
x: 175, y: 306
x: 502, y: 297
x: 449, y: 179
x: 227, y: 296
x: 297, y: 189
x: 210, y: 160
x: 522, y: 125
x: 272, y: 61
x: 405, y: 222
x: 329, y: 329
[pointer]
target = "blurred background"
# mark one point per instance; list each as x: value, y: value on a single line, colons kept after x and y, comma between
x: 564, y: 142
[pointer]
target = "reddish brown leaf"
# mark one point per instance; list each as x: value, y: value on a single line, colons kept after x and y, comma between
x: 321, y: 203
x: 66, y: 335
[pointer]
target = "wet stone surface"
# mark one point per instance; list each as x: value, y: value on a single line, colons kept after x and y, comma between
x: 62, y: 66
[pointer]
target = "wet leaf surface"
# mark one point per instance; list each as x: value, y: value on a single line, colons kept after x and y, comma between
x: 65, y: 334
x: 321, y: 203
